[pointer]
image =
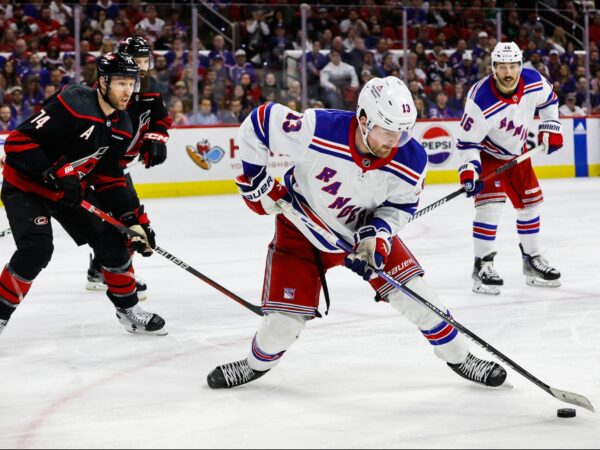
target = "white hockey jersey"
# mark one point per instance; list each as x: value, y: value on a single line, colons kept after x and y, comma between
x: 330, y: 179
x: 498, y: 125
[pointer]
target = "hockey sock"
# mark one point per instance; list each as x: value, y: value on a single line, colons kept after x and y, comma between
x: 528, y: 228
x: 449, y: 345
x: 13, y: 290
x: 121, y: 285
x: 485, y: 225
x: 276, y: 333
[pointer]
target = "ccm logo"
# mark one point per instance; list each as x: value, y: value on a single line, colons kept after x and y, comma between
x: 42, y: 220
x: 156, y: 137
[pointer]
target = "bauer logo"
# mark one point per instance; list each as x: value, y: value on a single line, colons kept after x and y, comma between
x: 204, y: 155
x: 437, y: 142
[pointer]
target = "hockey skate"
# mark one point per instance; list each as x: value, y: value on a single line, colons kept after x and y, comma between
x: 537, y: 271
x: 136, y: 320
x: 95, y: 281
x: 232, y: 375
x: 480, y: 371
x: 485, y: 278
x: 3, y: 323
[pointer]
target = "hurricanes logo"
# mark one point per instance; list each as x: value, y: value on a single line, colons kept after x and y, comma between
x: 437, y: 142
x: 204, y: 155
x: 41, y: 220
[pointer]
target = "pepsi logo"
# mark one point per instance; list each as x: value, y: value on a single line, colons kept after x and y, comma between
x: 438, y: 143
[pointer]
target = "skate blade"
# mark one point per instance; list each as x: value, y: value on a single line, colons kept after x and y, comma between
x: 506, y: 385
x: 479, y: 288
x: 538, y: 282
x: 161, y: 332
x: 95, y: 287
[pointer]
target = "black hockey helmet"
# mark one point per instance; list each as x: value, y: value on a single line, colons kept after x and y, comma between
x: 119, y: 65
x: 135, y: 46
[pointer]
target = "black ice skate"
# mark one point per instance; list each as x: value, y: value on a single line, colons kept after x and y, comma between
x: 95, y: 281
x: 537, y: 271
x: 136, y: 320
x: 232, y: 375
x: 485, y: 278
x: 3, y: 323
x: 480, y: 371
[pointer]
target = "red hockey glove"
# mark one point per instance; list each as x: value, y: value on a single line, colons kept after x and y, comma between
x: 262, y: 192
x: 550, y: 134
x: 154, y: 149
x: 469, y: 178
x: 62, y: 177
x: 371, y: 250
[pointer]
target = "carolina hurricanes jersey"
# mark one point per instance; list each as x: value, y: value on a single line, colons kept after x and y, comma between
x: 330, y: 180
x: 497, y: 124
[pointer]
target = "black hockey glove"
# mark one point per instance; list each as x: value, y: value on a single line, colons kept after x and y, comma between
x: 64, y: 179
x: 154, y: 149
x: 144, y: 243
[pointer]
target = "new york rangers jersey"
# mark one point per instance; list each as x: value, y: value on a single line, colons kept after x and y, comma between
x: 330, y: 180
x: 497, y: 124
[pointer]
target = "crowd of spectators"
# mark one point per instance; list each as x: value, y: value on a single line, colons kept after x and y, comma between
x: 449, y: 49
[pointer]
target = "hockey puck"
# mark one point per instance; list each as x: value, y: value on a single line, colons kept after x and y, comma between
x: 566, y: 412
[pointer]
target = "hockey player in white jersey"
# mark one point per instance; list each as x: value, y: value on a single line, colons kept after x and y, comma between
x: 359, y: 175
x: 494, y: 128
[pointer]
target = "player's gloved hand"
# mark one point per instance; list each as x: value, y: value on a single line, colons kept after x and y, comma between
x: 469, y: 178
x: 62, y: 177
x: 262, y: 192
x: 550, y: 134
x: 371, y: 250
x: 154, y: 149
x: 146, y: 241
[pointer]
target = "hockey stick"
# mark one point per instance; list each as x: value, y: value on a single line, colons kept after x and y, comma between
x: 509, y: 165
x: 161, y: 251
x: 5, y: 232
x: 565, y: 396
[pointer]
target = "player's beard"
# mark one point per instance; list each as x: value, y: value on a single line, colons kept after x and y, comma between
x: 119, y: 101
x: 508, y: 84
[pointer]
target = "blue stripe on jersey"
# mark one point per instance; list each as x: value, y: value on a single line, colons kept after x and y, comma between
x: 381, y: 224
x: 545, y: 105
x: 462, y: 145
x: 333, y: 125
x: 263, y: 136
x: 337, y: 154
x: 530, y: 76
x: 532, y: 90
x: 409, y: 208
x: 250, y: 170
x: 496, y: 111
x: 399, y: 175
x: 506, y: 152
x: 412, y: 155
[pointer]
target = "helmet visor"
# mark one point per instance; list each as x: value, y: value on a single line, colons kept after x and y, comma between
x: 389, y: 138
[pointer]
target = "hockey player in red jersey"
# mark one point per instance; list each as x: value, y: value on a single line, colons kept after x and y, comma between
x: 76, y: 140
x: 359, y: 175
x: 151, y: 122
x: 494, y: 128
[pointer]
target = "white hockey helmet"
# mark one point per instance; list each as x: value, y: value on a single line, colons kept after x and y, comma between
x: 387, y: 102
x: 506, y: 52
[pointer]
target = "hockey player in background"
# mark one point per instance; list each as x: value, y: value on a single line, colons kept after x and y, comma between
x: 494, y: 129
x: 359, y: 175
x: 77, y: 139
x: 151, y: 122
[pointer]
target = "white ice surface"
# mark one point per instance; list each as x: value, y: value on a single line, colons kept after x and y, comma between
x: 361, y: 377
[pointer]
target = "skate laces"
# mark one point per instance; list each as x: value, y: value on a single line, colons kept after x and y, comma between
x: 137, y: 315
x: 487, y: 268
x: 476, y: 369
x: 237, y: 372
x: 540, y: 264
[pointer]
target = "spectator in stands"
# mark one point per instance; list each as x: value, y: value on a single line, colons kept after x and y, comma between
x: 20, y: 56
x: 111, y: 9
x: 165, y: 39
x: 241, y: 67
x: 365, y: 76
x: 52, y: 60
x: 458, y: 99
x: 356, y: 56
x: 315, y: 61
x: 325, y: 24
x: 177, y: 55
x: 440, y: 109
x: 19, y: 110
x: 466, y: 73
x: 176, y: 113
x: 293, y: 93
x: 36, y: 68
x: 259, y: 32
x: 354, y: 21
x: 538, y: 36
x: 64, y: 41
x: 233, y: 114
x: 204, y: 116
x: 457, y: 56
x: 326, y: 40
x: 49, y: 91
x: 60, y: 12
x: 270, y: 89
x: 33, y: 95
x: 388, y: 65
x: 219, y: 49
x: 152, y: 24
x: 88, y: 73
x: 554, y: 65
x: 162, y: 75
x: 8, y: 41
x: 335, y: 76
x: 278, y: 45
x: 180, y: 92
x: 381, y: 50
x: 7, y: 121
x: 570, y: 108
x: 581, y: 90
x: 6, y: 8
x: 8, y: 76
x: 47, y: 25
x: 22, y: 25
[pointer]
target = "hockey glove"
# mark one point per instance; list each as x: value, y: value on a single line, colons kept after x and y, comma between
x: 63, y: 178
x: 144, y: 243
x: 371, y: 250
x: 550, y: 134
x: 154, y: 149
x: 469, y: 178
x: 262, y: 192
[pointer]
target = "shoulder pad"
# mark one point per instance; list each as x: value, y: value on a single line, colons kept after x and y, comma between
x: 530, y: 76
x: 80, y: 101
x: 413, y: 155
